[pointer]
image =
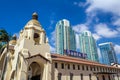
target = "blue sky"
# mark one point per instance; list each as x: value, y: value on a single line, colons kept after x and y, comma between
x: 101, y: 17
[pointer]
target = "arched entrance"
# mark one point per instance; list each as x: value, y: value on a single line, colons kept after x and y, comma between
x: 35, y: 71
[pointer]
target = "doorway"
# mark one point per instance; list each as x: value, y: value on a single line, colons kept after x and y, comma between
x: 34, y: 71
x: 37, y: 77
x: 103, y: 77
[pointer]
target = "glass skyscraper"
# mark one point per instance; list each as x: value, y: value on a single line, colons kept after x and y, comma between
x: 88, y: 45
x: 108, y: 53
x: 65, y: 37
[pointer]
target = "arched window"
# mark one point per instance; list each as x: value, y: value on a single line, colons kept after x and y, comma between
x: 36, y: 38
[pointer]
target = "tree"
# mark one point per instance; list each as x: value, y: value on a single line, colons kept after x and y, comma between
x: 4, y: 38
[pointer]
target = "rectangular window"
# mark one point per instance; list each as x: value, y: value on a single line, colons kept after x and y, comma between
x: 109, y: 77
x: 94, y: 68
x: 90, y: 78
x: 71, y: 76
x: 82, y: 67
x: 56, y: 65
x: 59, y: 76
x: 73, y: 67
x: 97, y: 69
x: 81, y: 76
x: 78, y: 67
x: 68, y: 66
x: 103, y: 69
x: 91, y: 68
x: 62, y: 65
x: 87, y: 68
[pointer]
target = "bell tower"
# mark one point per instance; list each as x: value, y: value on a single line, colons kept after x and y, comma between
x: 34, y: 31
x: 29, y: 57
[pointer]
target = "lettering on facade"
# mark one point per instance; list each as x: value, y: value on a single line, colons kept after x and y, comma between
x: 75, y: 54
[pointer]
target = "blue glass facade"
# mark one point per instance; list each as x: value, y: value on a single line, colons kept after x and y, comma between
x: 107, y: 53
x: 88, y: 46
x: 65, y: 37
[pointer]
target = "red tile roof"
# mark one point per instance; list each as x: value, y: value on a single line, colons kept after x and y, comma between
x: 64, y: 58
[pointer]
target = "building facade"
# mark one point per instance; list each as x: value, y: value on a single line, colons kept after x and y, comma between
x: 65, y: 37
x: 69, y: 68
x: 108, y: 53
x: 88, y: 45
x: 29, y: 58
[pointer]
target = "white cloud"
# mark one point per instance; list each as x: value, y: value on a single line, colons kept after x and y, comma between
x: 52, y: 42
x: 117, y: 22
x: 96, y: 36
x: 80, y: 28
x: 75, y: 3
x: 118, y: 29
x: 52, y: 49
x: 52, y: 38
x: 117, y: 49
x: 51, y: 22
x: 112, y: 6
x: 104, y: 31
x: 79, y: 4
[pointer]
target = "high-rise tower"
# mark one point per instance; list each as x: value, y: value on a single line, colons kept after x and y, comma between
x: 65, y: 37
x: 88, y: 45
x: 108, y: 53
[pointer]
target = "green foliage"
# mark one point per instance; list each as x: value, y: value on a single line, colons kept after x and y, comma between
x: 2, y: 47
x: 4, y: 39
x: 4, y: 36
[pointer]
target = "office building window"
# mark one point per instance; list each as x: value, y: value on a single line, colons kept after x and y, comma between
x: 59, y: 76
x: 90, y: 78
x: 62, y: 65
x: 81, y: 76
x: 56, y: 65
x: 68, y: 66
x: 78, y: 67
x: 73, y: 67
x: 71, y: 76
